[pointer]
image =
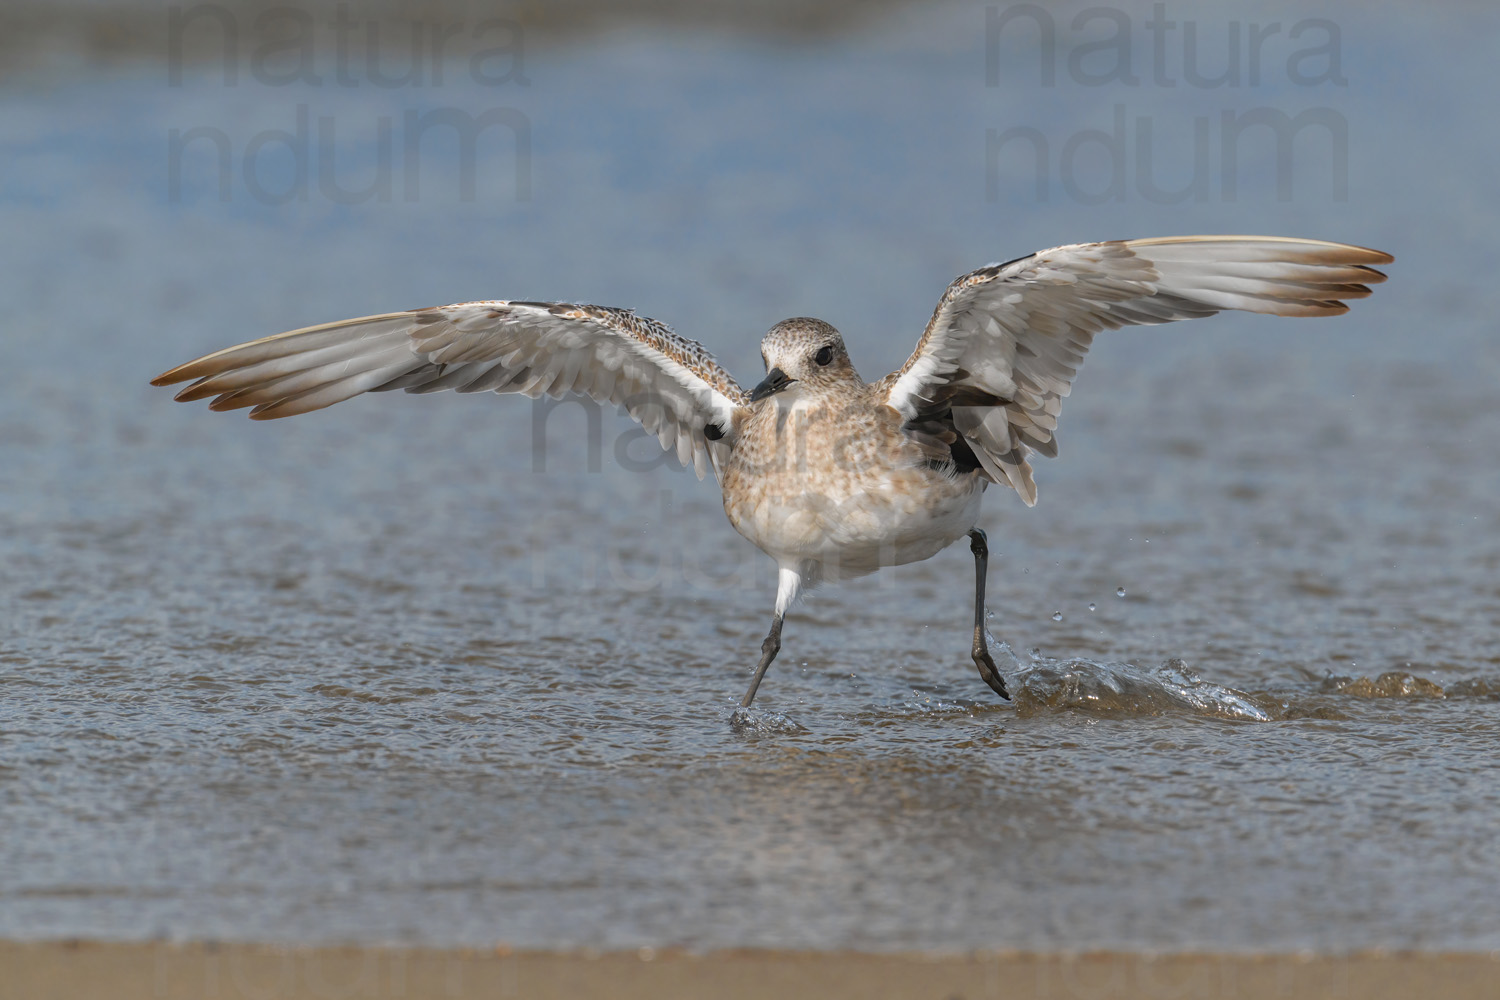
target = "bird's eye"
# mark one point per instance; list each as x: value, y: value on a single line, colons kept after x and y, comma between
x: 824, y: 357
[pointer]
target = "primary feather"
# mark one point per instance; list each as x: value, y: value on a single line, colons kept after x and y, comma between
x: 670, y: 384
x: 1019, y: 331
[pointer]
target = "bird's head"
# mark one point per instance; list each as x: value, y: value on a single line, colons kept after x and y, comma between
x: 805, y: 352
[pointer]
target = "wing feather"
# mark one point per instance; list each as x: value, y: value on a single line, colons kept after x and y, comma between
x: 1019, y: 331
x: 668, y: 383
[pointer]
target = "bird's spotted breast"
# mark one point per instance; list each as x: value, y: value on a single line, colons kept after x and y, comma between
x: 835, y: 481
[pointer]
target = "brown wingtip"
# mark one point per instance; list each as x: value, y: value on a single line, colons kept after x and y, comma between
x: 287, y: 406
x: 231, y: 401
x: 194, y: 369
x: 192, y: 393
x: 274, y: 411
x: 1366, y: 256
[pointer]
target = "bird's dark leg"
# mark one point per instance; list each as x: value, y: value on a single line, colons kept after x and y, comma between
x: 768, y: 651
x: 981, y: 652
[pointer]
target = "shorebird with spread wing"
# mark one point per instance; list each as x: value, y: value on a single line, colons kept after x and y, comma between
x: 831, y: 476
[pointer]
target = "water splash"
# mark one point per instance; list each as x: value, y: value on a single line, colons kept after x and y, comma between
x: 1041, y: 684
x: 1393, y: 684
x: 1401, y: 684
x: 752, y: 722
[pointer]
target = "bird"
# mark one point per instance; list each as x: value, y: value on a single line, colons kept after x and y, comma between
x: 831, y: 476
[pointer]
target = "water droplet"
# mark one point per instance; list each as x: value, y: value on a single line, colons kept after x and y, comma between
x: 1057, y: 616
x: 1119, y: 591
x: 1093, y: 606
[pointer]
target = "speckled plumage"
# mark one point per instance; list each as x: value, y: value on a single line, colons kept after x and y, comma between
x: 826, y: 478
x: 831, y: 476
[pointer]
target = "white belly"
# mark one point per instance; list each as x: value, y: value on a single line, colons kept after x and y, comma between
x: 905, y: 519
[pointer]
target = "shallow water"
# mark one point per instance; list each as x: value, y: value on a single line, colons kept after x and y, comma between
x: 399, y: 672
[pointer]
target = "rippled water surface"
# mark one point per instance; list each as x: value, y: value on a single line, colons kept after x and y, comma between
x: 416, y: 669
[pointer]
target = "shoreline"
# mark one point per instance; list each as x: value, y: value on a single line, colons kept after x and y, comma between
x: 161, y: 971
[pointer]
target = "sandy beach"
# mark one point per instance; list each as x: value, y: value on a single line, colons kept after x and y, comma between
x: 201, y: 971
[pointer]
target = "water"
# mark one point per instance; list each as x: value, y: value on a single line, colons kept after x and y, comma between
x: 369, y: 675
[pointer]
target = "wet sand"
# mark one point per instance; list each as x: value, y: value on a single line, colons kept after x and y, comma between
x: 202, y: 971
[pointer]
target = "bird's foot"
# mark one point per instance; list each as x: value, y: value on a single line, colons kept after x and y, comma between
x: 989, y: 672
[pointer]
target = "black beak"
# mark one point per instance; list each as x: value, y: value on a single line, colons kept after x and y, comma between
x: 775, y: 381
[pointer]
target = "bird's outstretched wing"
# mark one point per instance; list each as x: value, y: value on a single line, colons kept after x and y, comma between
x: 668, y: 383
x: 1010, y: 337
